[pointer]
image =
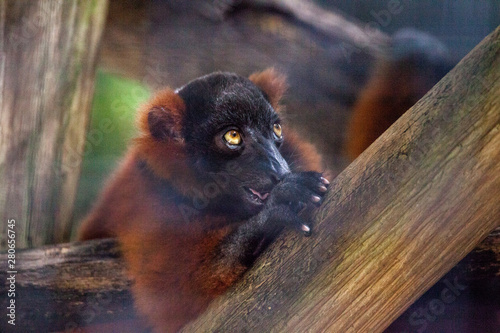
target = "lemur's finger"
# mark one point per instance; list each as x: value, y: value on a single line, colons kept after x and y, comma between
x: 306, y: 230
x: 301, y: 226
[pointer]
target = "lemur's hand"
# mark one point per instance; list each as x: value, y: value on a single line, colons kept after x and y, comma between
x: 292, y: 195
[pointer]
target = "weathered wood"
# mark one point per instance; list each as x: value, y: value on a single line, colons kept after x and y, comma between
x: 464, y: 300
x: 394, y: 222
x: 61, y: 287
x: 48, y: 57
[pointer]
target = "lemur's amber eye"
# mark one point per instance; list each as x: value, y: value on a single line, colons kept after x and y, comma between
x: 233, y: 137
x: 277, y: 130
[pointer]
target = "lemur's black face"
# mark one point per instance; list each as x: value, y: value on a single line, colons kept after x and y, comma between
x: 233, y: 137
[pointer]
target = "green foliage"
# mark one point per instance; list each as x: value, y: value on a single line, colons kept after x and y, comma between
x: 112, y: 126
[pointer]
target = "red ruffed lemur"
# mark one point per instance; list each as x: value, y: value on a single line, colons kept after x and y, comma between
x: 210, y: 182
x: 415, y: 62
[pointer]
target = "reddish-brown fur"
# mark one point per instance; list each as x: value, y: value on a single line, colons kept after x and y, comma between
x: 393, y: 87
x: 168, y: 259
x: 387, y: 95
x: 272, y: 83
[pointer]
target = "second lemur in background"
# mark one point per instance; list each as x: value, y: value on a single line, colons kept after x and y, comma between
x: 415, y: 63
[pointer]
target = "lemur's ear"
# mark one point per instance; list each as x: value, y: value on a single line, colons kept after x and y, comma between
x: 162, y: 116
x: 272, y: 83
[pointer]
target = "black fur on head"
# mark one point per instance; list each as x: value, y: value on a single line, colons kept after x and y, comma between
x: 215, y: 106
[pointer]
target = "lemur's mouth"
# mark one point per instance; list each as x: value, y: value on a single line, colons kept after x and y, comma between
x: 256, y: 196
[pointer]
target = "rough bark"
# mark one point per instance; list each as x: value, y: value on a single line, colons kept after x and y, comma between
x: 61, y: 287
x: 47, y: 63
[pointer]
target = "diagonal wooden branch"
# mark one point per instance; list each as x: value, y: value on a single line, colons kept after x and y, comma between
x: 395, y: 221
